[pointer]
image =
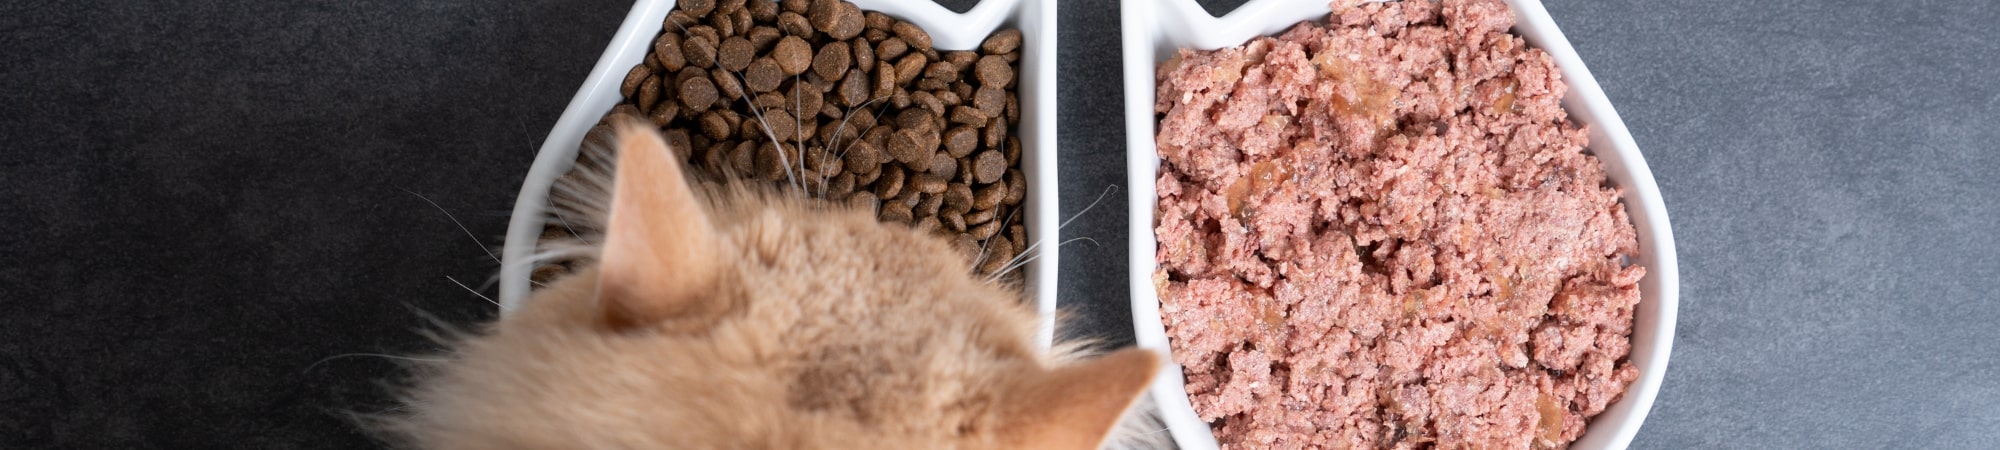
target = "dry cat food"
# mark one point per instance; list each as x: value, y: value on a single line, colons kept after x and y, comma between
x: 1384, y: 231
x: 853, y: 106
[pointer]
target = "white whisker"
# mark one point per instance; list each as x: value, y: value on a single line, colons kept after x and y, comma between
x: 310, y: 367
x: 1017, y: 261
x: 469, y: 289
x: 461, y: 226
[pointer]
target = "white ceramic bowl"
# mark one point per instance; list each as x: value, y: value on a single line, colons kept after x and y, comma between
x: 949, y: 31
x: 1154, y: 29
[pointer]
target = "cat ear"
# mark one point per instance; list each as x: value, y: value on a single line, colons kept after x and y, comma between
x: 1076, y: 406
x: 659, y: 259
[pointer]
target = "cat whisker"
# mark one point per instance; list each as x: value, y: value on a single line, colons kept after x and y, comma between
x: 310, y: 367
x: 1017, y: 262
x: 469, y: 289
x: 761, y: 123
x: 454, y: 221
x: 835, y: 139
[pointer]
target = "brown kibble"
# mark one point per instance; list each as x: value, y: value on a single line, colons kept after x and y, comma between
x: 943, y: 165
x: 958, y: 199
x: 994, y: 71
x: 793, y: 55
x: 885, y: 78
x: 907, y: 146
x: 697, y: 94
x: 953, y: 221
x: 961, y: 58
x: 999, y: 250
x: 626, y: 110
x: 949, y: 98
x: 633, y: 79
x: 891, y: 48
x: 985, y: 230
x: 797, y: 6
x: 862, y: 157
x: 824, y: 14
x: 960, y: 141
x: 1017, y: 188
x: 890, y: 184
x: 743, y: 158
x: 979, y: 216
x: 833, y: 60
x: 770, y: 163
x: 714, y: 126
x: 996, y: 132
x: 1013, y: 151
x: 664, y: 114
x: 735, y: 54
x: 1013, y: 108
x: 678, y: 19
x: 850, y: 22
x: 912, y: 34
x: 918, y: 119
x: 781, y: 124
x: 990, y: 196
x: 763, y: 10
x: 864, y: 54
x: 988, y: 166
x: 649, y: 93
x: 762, y: 37
x: 941, y: 71
x: 967, y: 115
x: 928, y: 102
x: 730, y: 86
x: 668, y: 50
x: 763, y: 75
x: 863, y: 200
x: 878, y: 21
x: 1003, y: 41
x: 896, y: 212
x: 899, y: 99
x: 725, y: 26
x: 927, y: 183
x: 854, y: 88
x: 697, y: 7
x: 925, y: 224
x: 864, y: 178
x: 699, y: 50
x: 909, y: 67
x: 794, y: 24
x: 991, y: 100
x: 929, y: 205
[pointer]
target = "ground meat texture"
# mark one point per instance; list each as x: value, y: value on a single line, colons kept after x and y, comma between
x: 1383, y: 231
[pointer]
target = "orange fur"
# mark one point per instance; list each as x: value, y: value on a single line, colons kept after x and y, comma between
x: 734, y: 318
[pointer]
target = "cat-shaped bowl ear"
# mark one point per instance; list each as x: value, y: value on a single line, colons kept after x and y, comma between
x: 661, y: 253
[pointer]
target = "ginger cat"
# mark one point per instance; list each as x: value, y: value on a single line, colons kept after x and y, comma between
x: 721, y: 316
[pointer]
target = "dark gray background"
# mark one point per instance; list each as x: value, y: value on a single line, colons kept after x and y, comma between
x: 207, y: 203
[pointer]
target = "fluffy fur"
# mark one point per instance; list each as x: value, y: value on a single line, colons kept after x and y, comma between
x: 715, y: 315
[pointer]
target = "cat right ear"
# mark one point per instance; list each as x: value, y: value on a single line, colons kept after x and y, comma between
x: 659, y: 260
x: 1077, y: 405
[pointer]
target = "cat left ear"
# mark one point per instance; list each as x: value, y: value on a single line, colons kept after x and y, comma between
x: 659, y: 260
x: 1076, y: 406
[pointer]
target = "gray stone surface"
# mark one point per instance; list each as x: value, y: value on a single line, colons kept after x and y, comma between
x: 1832, y: 170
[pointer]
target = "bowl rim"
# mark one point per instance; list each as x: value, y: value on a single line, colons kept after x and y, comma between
x: 1154, y: 28
x: 949, y: 30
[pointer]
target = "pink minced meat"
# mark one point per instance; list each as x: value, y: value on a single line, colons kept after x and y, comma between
x: 1384, y: 231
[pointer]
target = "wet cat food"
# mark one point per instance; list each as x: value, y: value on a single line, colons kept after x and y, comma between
x: 1384, y: 231
x: 852, y: 106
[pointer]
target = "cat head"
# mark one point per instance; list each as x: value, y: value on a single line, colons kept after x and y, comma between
x: 730, y: 317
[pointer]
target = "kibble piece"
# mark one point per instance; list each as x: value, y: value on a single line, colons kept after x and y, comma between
x: 1017, y: 187
x: 725, y: 26
x: 714, y: 126
x: 793, y: 55
x: 985, y: 230
x: 928, y: 102
x: 996, y: 132
x: 896, y: 212
x: 832, y: 60
x: 697, y: 7
x: 1003, y: 41
x: 1013, y: 108
x: 850, y: 22
x: 1013, y: 151
x: 961, y: 58
x: 854, y: 88
x: 633, y: 79
x: 699, y: 50
x: 697, y: 94
x: 763, y: 75
x: 994, y: 71
x: 762, y: 37
x: 665, y: 113
x: 649, y: 93
x: 863, y: 200
x: 1018, y: 234
x: 743, y: 158
x: 989, y: 166
x: 890, y: 184
x: 794, y: 24
x: 927, y: 183
x: 958, y: 199
x: 890, y: 48
x: 797, y: 6
x: 864, y: 53
x: 929, y: 205
x: 735, y: 54
x: 977, y: 217
x: 943, y: 165
x: 668, y: 50
x: 1000, y: 252
x: 763, y: 10
x: 824, y: 14
x: 960, y: 141
x: 967, y: 115
x: 862, y: 157
x: 679, y: 20
x: 909, y: 67
x: 926, y: 224
x: 991, y: 100
x: 878, y: 21
x: 907, y: 146
x: 912, y: 34
x: 731, y: 87
x: 952, y: 221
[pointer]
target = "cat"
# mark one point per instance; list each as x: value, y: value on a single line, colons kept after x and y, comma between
x: 720, y: 315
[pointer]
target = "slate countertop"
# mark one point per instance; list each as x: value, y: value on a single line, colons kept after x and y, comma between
x: 210, y: 223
